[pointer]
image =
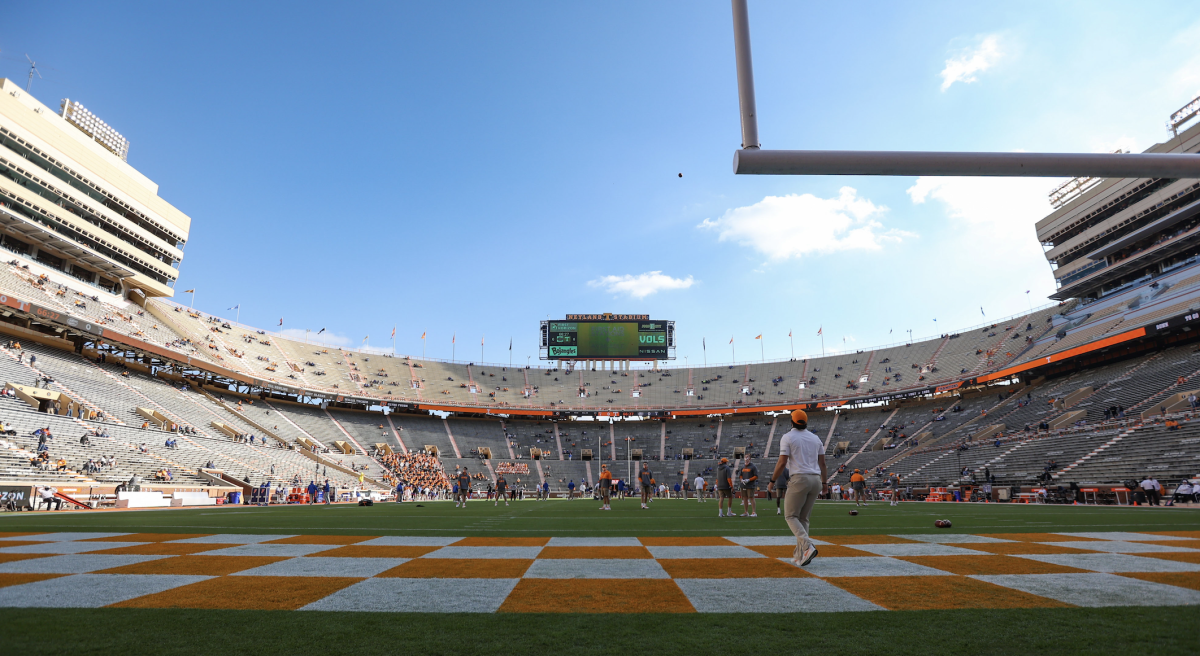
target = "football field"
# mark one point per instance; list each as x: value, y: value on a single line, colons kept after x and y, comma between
x: 546, y: 576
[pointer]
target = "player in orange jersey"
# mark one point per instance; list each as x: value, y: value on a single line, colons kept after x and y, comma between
x: 605, y: 487
x: 858, y: 483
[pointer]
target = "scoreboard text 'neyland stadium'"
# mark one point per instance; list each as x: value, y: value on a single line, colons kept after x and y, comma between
x: 607, y: 337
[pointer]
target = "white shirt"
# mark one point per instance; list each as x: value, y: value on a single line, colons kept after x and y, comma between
x: 1184, y: 488
x: 698, y: 483
x: 802, y: 448
x: 1147, y: 484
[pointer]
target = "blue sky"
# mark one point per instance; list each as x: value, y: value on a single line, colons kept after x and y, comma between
x: 472, y: 168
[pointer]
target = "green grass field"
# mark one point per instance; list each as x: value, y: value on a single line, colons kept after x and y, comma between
x: 1116, y: 630
x: 670, y: 517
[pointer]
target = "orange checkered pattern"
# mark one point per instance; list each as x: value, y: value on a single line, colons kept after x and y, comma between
x: 585, y: 575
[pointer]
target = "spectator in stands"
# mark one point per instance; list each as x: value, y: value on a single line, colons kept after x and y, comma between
x: 1184, y: 493
x: 49, y: 496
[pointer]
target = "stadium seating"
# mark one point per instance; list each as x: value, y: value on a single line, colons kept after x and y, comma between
x: 305, y: 438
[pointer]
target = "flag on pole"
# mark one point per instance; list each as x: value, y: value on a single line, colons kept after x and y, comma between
x: 281, y: 321
x: 759, y: 336
x: 481, y: 341
x: 731, y: 340
x: 981, y: 311
x: 422, y: 335
x: 453, y: 337
x: 393, y: 331
x: 189, y: 291
x: 366, y: 338
x: 235, y: 307
x: 789, y: 333
x: 820, y: 329
x: 704, y: 343
x: 510, y: 343
x: 320, y: 331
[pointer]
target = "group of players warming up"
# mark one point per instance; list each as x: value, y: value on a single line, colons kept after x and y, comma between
x: 796, y: 482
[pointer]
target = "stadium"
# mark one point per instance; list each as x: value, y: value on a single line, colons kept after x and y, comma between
x: 173, y: 477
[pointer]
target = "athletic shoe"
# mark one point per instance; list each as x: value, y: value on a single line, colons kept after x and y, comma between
x: 720, y: 514
x: 745, y: 514
x: 778, y: 511
x: 754, y: 514
x: 809, y: 554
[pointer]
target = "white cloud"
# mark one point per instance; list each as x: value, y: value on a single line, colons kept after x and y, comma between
x: 990, y: 229
x: 998, y: 204
x: 781, y: 227
x: 327, y: 338
x: 1125, y: 143
x: 967, y: 64
x: 641, y: 285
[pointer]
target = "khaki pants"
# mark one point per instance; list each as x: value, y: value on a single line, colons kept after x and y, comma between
x: 802, y: 492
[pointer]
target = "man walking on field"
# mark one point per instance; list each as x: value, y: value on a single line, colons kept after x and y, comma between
x: 749, y: 475
x: 803, y: 455
x: 647, y: 481
x: 699, y: 485
x: 781, y: 489
x: 464, y: 488
x: 724, y: 487
x: 501, y: 488
x: 605, y: 487
x: 858, y: 483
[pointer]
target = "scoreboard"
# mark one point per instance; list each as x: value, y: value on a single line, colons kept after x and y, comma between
x: 619, y: 338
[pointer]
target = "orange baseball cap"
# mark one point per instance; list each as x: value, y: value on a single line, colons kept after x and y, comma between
x: 724, y: 460
x: 799, y: 415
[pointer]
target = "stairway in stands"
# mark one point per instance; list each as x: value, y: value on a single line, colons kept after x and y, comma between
x: 1095, y: 452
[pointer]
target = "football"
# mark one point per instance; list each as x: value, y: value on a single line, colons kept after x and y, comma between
x: 853, y: 512
x: 942, y: 523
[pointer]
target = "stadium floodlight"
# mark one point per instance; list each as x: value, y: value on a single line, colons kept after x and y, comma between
x: 752, y: 160
x: 1183, y: 115
x: 91, y: 125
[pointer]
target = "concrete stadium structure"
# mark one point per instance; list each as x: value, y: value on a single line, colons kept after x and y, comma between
x: 1010, y: 393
